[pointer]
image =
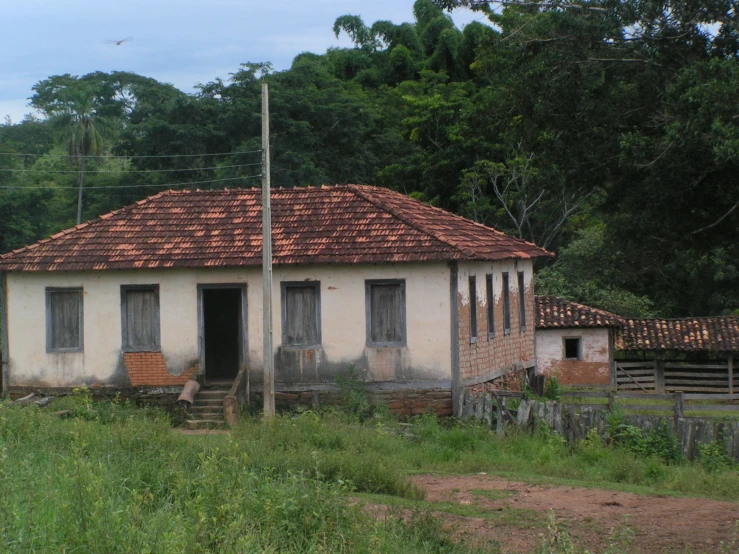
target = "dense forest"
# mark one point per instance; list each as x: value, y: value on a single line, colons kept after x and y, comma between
x: 606, y: 131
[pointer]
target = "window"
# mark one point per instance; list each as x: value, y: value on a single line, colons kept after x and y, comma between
x: 521, y: 301
x: 506, y: 305
x: 473, y: 309
x: 301, y: 314
x: 572, y: 348
x: 491, y: 305
x: 140, y: 318
x: 64, y: 331
x: 385, y: 313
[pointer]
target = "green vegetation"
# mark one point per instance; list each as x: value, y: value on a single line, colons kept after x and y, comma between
x: 607, y: 134
x: 114, y: 478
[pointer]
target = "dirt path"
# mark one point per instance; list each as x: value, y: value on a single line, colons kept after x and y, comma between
x: 515, y: 515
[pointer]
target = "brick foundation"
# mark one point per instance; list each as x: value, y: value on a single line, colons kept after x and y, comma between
x: 150, y: 369
x: 404, y: 402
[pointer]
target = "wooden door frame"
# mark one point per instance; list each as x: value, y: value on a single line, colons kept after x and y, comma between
x: 243, y: 326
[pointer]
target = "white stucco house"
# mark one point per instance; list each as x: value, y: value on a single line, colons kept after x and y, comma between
x: 169, y: 288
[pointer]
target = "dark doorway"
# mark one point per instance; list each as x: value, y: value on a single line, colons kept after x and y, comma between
x: 222, y: 333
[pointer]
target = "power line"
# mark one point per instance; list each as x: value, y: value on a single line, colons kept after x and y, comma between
x: 124, y: 171
x: 135, y: 156
x: 90, y: 189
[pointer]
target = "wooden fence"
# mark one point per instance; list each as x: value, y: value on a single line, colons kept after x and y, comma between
x: 662, y: 376
x: 680, y: 404
x: 574, y: 419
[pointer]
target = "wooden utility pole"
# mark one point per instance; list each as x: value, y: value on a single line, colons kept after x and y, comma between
x: 268, y: 356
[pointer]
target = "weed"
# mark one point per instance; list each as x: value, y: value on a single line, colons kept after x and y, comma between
x: 552, y: 389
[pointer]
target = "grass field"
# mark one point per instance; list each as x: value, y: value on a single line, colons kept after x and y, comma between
x: 117, y: 479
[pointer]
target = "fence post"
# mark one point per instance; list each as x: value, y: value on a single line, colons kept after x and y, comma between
x: 611, y: 400
x: 659, y: 372
x: 678, y: 406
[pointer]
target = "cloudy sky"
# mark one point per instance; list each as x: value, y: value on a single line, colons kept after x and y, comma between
x: 182, y: 42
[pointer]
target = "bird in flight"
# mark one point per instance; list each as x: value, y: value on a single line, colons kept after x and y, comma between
x: 118, y: 42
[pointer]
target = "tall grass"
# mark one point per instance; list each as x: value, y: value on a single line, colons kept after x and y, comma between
x: 132, y: 484
x: 117, y: 479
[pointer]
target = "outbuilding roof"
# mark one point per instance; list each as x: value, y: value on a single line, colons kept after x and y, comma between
x: 554, y: 312
x: 339, y: 224
x: 718, y: 334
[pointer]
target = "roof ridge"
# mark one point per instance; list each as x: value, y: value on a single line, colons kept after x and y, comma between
x: 84, y: 225
x: 456, y: 216
x: 356, y: 189
x: 599, y: 310
x: 686, y: 318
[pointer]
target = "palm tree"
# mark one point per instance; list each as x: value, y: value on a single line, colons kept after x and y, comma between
x: 76, y: 114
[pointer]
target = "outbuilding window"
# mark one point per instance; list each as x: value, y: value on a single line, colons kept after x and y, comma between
x: 64, y: 331
x: 572, y: 348
x: 301, y: 314
x: 385, y: 312
x: 140, y: 318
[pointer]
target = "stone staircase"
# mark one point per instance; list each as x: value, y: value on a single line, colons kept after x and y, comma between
x: 207, y: 410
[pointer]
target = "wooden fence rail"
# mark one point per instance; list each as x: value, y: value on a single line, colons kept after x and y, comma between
x: 660, y: 376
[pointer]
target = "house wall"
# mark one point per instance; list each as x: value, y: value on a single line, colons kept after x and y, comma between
x: 592, y: 369
x: 425, y: 358
x: 492, y: 356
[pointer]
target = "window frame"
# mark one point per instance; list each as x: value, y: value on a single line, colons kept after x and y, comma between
x: 578, y: 338
x: 522, y: 300
x: 506, y: 304
x: 125, y: 289
x: 368, y: 284
x: 316, y: 286
x: 472, y: 289
x: 490, y: 292
x: 49, y: 348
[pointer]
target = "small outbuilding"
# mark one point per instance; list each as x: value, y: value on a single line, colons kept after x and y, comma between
x: 574, y: 342
x: 419, y: 300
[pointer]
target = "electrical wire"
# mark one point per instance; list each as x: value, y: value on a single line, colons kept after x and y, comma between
x: 124, y: 171
x: 135, y: 156
x: 188, y: 183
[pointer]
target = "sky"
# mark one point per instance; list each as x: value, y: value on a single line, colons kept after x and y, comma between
x: 182, y: 42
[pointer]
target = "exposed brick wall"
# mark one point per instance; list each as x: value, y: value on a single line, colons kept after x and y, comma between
x: 150, y: 369
x: 514, y: 350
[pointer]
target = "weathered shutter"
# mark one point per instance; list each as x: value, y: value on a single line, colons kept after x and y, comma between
x: 506, y: 303
x: 521, y: 300
x: 142, y: 319
x: 386, y: 313
x: 473, y: 307
x: 491, y: 304
x: 301, y: 319
x: 64, y: 319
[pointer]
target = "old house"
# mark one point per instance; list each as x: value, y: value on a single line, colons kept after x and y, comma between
x: 418, y: 299
x: 574, y: 342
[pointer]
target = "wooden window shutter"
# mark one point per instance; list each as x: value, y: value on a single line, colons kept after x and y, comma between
x: 64, y: 320
x: 506, y: 304
x: 521, y: 301
x: 386, y: 313
x: 140, y: 318
x: 301, y: 315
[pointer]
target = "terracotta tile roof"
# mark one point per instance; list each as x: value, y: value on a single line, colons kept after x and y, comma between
x: 719, y: 334
x: 339, y: 224
x: 555, y: 312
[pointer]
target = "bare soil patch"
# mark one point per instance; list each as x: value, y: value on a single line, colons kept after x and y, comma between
x: 515, y: 515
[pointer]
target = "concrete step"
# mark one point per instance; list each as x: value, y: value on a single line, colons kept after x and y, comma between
x: 206, y: 424
x: 213, y: 392
x: 202, y: 402
x: 200, y: 408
